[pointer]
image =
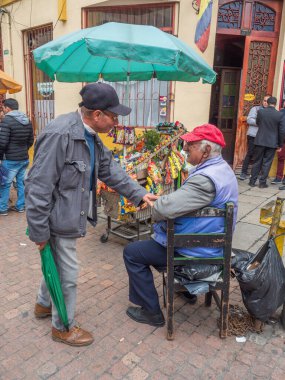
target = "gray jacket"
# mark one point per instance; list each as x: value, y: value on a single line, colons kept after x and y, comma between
x: 271, y: 128
x: 251, y: 121
x: 197, y: 192
x: 57, y: 186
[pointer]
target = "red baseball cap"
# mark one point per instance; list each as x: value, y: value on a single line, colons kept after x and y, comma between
x: 205, y: 132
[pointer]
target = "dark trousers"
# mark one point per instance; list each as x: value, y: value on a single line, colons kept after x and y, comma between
x: 249, y: 154
x: 262, y: 160
x: 138, y: 257
x: 280, y: 164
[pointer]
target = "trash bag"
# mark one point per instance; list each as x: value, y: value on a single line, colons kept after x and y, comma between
x: 262, y: 281
x: 237, y: 261
x: 191, y: 272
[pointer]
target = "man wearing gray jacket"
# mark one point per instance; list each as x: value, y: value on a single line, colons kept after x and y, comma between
x: 61, y: 193
x: 251, y: 133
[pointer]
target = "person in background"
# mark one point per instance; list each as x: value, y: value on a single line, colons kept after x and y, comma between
x: 210, y: 183
x: 16, y: 137
x: 61, y: 194
x: 251, y: 133
x: 269, y: 137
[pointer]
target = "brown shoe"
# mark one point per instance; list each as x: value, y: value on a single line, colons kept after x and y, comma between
x: 42, y: 311
x: 75, y: 337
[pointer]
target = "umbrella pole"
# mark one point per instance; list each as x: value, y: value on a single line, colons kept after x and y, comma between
x: 127, y: 101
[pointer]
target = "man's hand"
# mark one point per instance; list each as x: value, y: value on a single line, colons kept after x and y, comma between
x: 150, y: 199
x: 278, y: 150
x: 41, y: 245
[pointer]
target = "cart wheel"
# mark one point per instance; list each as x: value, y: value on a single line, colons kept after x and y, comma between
x: 104, y: 238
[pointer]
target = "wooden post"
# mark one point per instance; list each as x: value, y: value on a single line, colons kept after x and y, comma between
x: 273, y: 219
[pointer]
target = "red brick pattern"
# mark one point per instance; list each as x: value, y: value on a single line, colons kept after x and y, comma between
x: 122, y: 349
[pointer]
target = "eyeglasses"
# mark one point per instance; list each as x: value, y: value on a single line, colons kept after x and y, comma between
x: 113, y: 116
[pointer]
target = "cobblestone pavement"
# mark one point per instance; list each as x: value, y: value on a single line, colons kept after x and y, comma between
x: 124, y: 349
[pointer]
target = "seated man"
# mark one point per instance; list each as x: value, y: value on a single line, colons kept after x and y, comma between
x: 210, y: 183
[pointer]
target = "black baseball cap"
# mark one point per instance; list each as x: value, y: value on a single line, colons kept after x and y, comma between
x: 103, y: 97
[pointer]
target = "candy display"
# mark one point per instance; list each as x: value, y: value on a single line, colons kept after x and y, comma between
x: 123, y: 135
x: 153, y: 159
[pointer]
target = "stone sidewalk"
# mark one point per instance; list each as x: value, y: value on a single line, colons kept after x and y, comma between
x: 124, y: 349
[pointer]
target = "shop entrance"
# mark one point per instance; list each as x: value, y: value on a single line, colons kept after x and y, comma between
x: 225, y: 92
x: 245, y: 57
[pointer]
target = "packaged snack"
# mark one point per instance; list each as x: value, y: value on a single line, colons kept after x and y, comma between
x: 173, y: 168
x: 168, y: 179
x: 176, y: 161
x: 154, y: 173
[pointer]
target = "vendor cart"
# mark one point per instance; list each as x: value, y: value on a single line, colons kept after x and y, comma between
x: 135, y: 224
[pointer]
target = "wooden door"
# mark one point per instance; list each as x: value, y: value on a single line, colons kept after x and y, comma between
x: 259, y: 21
x: 228, y: 106
x: 257, y: 79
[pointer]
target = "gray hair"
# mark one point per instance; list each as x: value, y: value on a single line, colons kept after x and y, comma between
x: 86, y: 112
x: 216, y: 149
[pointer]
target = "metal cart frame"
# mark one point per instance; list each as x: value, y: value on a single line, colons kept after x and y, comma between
x: 137, y: 224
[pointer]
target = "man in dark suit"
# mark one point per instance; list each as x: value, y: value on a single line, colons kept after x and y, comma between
x: 269, y: 137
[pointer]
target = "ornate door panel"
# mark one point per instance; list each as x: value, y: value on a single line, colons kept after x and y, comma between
x: 259, y: 21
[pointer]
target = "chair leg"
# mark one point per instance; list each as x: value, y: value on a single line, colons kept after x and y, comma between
x: 224, y: 316
x: 169, y: 309
x: 170, y: 302
x: 208, y: 299
x: 163, y: 289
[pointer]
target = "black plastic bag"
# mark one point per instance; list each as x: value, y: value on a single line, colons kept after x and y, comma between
x: 191, y: 272
x: 240, y: 257
x: 262, y: 280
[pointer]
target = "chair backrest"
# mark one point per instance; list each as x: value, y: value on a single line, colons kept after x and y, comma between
x: 223, y: 240
x: 215, y: 240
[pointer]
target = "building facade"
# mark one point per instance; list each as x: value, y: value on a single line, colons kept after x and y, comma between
x: 246, y: 47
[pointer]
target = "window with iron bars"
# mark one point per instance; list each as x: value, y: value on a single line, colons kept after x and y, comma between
x: 150, y: 100
x: 39, y: 87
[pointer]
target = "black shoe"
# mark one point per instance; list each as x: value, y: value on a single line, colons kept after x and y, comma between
x: 251, y: 184
x: 242, y: 176
x: 141, y: 315
x: 14, y: 208
x: 4, y: 213
x: 191, y: 298
x: 263, y: 185
x: 276, y: 181
x: 282, y: 187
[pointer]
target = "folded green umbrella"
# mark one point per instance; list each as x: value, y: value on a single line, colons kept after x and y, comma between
x: 53, y: 283
x: 52, y: 280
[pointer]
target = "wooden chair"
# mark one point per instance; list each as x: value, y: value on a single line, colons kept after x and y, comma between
x: 217, y: 240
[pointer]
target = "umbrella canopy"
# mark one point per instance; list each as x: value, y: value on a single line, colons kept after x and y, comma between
x: 53, y: 283
x: 119, y: 52
x: 7, y: 84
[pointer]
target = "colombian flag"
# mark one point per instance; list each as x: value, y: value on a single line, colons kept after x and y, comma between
x: 204, y: 23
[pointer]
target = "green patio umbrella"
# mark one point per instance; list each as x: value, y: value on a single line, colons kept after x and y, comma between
x: 121, y: 52
x: 53, y: 283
